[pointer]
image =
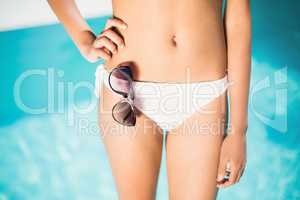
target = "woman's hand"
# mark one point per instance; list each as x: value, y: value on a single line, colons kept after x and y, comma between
x: 232, y: 158
x: 106, y: 44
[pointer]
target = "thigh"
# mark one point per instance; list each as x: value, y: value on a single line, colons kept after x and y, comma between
x: 193, y: 153
x: 134, y: 152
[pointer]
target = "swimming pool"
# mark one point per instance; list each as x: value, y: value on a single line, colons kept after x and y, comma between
x: 49, y: 151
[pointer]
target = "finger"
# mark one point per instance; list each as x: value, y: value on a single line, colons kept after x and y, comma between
x: 106, y: 51
x: 115, y: 22
x: 233, y: 175
x: 224, y: 172
x: 241, y: 172
x: 238, y: 176
x: 221, y: 169
x: 100, y: 53
x: 107, y: 43
x: 113, y: 36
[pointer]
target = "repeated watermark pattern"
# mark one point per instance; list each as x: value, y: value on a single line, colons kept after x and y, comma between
x: 60, y: 95
x: 61, y: 100
x: 280, y: 87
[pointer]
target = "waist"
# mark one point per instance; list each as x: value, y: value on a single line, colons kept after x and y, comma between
x: 174, y: 70
x: 167, y: 51
x: 208, y: 87
x: 159, y: 61
x: 103, y: 73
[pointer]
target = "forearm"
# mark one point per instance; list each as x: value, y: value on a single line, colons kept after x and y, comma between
x: 238, y: 32
x: 69, y: 15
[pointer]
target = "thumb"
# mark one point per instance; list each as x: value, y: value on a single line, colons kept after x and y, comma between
x: 221, y: 169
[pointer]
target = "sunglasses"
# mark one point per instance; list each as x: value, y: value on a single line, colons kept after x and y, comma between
x: 120, y: 81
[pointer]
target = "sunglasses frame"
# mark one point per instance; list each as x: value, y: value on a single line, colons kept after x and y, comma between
x: 132, y: 108
x: 126, y: 97
x: 118, y: 92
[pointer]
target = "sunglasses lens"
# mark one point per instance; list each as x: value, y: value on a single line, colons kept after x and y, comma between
x: 123, y: 113
x: 120, y: 80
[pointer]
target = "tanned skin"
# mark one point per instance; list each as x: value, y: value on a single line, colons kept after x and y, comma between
x: 172, y: 41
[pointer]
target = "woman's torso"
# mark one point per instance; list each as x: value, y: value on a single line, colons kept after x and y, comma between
x: 172, y: 41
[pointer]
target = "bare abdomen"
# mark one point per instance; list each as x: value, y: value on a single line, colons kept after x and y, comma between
x: 168, y: 41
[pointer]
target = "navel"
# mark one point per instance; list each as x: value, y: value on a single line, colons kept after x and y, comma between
x: 174, y: 40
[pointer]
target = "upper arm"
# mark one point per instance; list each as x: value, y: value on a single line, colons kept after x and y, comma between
x: 237, y: 23
x: 237, y: 12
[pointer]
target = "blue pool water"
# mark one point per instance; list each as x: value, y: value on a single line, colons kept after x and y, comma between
x: 54, y: 155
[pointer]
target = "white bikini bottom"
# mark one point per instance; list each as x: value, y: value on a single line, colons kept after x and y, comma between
x: 168, y: 104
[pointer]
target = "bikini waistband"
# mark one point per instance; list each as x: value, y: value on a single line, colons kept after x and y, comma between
x: 102, y: 75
